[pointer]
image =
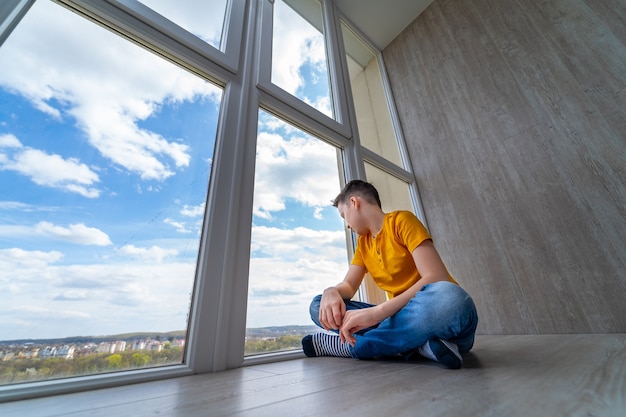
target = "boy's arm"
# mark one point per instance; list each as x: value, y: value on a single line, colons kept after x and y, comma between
x: 431, y: 269
x: 332, y: 307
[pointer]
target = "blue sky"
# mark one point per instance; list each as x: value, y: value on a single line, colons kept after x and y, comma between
x: 105, y: 155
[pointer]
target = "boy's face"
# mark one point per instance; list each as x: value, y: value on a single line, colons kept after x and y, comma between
x: 350, y: 212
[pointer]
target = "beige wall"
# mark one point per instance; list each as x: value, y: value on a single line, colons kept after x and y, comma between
x: 515, y: 116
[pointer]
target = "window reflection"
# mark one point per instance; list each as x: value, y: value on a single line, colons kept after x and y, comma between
x: 370, y: 101
x: 394, y: 193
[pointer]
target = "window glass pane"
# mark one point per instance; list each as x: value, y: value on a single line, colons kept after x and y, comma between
x: 105, y: 156
x: 298, y: 243
x: 205, y: 19
x: 370, y: 101
x: 394, y: 193
x: 299, y: 63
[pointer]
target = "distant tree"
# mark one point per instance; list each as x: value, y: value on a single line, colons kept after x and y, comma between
x: 140, y: 360
x: 263, y: 345
x: 7, y: 374
x: 114, y: 361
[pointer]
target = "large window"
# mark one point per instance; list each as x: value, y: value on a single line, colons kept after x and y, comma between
x: 105, y: 156
x: 395, y: 194
x: 299, y: 64
x: 373, y: 115
x: 298, y: 244
x: 166, y: 177
x: 204, y: 19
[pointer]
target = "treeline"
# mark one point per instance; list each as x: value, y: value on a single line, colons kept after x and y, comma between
x: 273, y: 344
x: 37, y: 369
x: 76, y: 340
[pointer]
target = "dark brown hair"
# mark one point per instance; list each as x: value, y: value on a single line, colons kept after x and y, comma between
x: 359, y: 188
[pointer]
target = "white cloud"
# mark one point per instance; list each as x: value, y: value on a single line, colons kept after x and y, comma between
x: 179, y: 226
x: 297, y: 43
x: 153, y: 253
x: 72, y: 295
x: 105, y: 83
x: 23, y: 207
x: 78, y: 234
x: 302, y: 168
x: 42, y: 313
x: 92, y: 299
x: 9, y: 141
x: 322, y: 104
x: 17, y: 258
x: 51, y: 170
x: 193, y: 211
x: 74, y: 233
x: 289, y: 269
x: 300, y: 242
x: 200, y: 17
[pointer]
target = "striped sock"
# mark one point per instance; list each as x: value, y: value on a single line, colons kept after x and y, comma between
x: 325, y: 344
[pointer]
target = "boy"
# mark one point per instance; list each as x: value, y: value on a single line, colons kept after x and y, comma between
x: 426, y: 310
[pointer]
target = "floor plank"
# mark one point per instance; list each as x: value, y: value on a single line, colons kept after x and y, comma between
x: 556, y: 375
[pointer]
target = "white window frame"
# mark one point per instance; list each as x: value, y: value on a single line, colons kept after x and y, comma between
x: 216, y: 336
x: 11, y: 12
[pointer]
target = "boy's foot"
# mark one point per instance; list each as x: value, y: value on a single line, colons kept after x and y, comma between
x: 442, y: 351
x: 325, y: 344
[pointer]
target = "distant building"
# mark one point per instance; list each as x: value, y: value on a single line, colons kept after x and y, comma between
x: 48, y: 352
x: 178, y: 342
x: 138, y: 345
x: 155, y: 345
x: 66, y: 352
x: 104, y: 347
x: 114, y: 347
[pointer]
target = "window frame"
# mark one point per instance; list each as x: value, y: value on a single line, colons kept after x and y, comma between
x: 217, y: 325
x: 227, y: 56
x: 298, y: 111
x: 11, y: 12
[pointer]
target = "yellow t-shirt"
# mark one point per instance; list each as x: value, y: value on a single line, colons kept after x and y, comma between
x: 388, y: 256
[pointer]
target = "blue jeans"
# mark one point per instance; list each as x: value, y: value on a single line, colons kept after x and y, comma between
x: 439, y: 310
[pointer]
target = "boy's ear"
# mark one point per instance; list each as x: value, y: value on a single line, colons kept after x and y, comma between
x: 355, y: 202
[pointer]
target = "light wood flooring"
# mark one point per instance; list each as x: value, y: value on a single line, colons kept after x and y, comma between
x: 549, y: 375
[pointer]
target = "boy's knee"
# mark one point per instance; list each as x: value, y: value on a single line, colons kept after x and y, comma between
x: 450, y: 291
x: 314, y: 308
x: 316, y: 301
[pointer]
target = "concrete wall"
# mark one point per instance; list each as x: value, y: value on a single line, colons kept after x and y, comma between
x: 515, y: 116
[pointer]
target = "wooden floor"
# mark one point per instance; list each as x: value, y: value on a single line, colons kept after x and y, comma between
x: 556, y: 375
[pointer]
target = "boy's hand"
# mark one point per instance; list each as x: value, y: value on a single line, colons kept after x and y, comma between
x: 332, y: 309
x: 355, y: 320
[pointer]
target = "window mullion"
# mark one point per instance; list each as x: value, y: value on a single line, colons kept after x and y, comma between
x: 352, y: 155
x: 11, y: 12
x: 217, y: 328
x: 335, y: 56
